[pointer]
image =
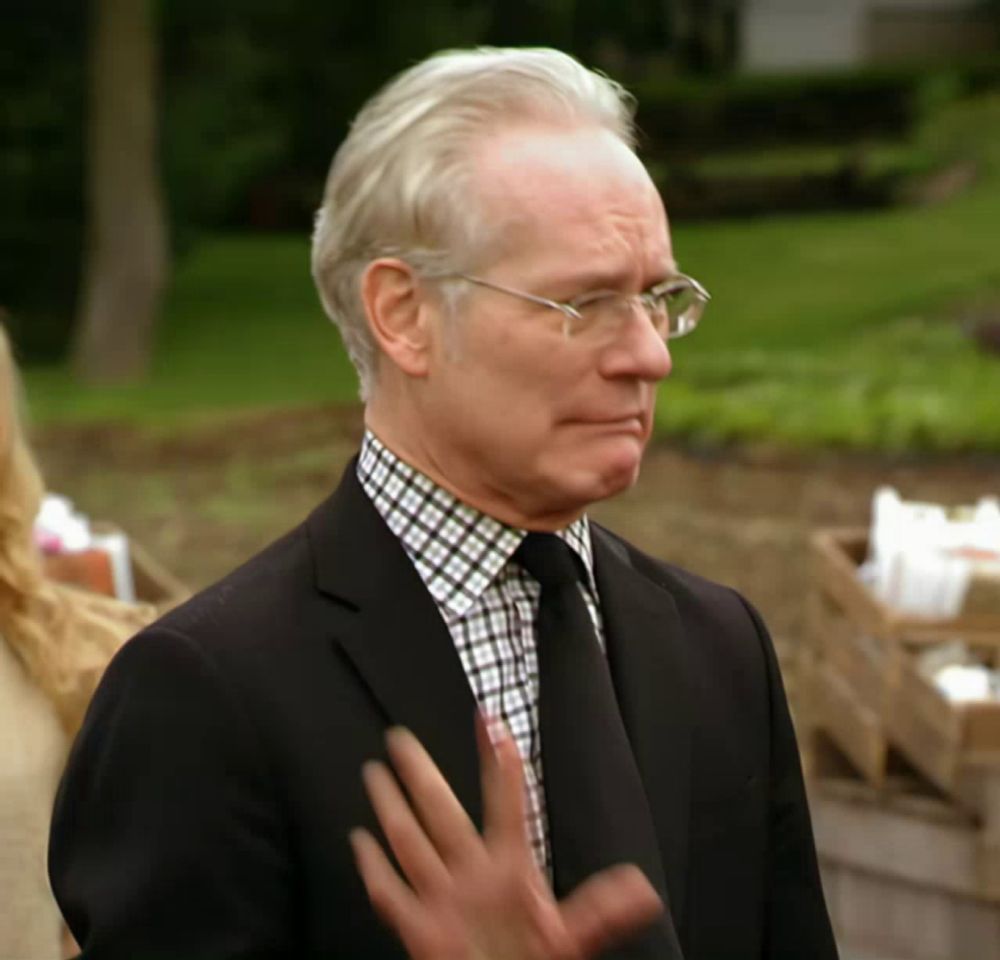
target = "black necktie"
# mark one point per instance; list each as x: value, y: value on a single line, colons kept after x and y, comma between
x: 597, y: 808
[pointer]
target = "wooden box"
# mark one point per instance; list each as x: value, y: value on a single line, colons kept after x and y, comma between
x: 828, y: 704
x: 906, y: 876
x: 954, y: 745
x: 837, y: 554
x: 865, y: 688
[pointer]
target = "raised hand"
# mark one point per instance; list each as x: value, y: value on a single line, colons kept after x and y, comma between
x: 468, y: 896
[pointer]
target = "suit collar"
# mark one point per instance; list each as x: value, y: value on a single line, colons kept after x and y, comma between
x: 389, y: 627
x: 644, y: 633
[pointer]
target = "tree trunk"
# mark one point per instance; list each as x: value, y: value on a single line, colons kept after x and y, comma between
x: 125, y: 264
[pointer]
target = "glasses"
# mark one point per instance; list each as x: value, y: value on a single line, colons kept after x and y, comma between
x: 674, y: 307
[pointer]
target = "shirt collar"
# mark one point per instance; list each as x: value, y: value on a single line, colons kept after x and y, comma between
x: 457, y: 550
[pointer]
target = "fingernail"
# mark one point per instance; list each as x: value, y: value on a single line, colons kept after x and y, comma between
x: 495, y: 728
x: 369, y: 769
x: 395, y: 737
x: 355, y: 837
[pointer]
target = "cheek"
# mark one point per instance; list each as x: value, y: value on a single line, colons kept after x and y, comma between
x: 493, y: 415
x: 516, y: 387
x: 519, y: 388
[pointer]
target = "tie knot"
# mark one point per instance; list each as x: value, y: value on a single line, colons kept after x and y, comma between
x: 549, y: 559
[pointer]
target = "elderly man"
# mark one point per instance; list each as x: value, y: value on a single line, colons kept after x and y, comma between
x: 500, y: 266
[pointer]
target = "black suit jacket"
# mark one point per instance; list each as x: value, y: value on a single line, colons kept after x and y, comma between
x: 206, y: 803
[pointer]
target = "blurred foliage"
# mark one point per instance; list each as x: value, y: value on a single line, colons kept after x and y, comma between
x: 685, y: 115
x: 257, y: 97
x: 851, y: 330
x: 41, y: 168
x: 765, y: 145
x: 257, y: 100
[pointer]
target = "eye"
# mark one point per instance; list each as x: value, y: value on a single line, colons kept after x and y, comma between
x: 678, y: 298
x: 668, y: 291
x: 592, y: 302
x: 599, y: 308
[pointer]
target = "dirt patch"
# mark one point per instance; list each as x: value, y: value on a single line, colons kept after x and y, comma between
x: 206, y: 498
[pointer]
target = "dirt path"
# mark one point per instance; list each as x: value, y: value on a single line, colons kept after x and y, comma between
x: 203, y: 500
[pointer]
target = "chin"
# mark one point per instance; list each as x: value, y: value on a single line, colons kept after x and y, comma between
x: 609, y: 476
x: 622, y: 459
x: 621, y: 479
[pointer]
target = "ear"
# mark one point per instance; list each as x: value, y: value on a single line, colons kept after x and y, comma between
x: 398, y: 314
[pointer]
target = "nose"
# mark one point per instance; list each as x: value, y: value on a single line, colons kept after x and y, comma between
x: 638, y: 352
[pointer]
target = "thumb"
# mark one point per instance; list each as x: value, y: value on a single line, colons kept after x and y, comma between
x: 609, y: 907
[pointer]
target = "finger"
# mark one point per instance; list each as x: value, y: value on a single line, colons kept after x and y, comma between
x: 503, y: 787
x: 609, y: 907
x: 391, y: 898
x: 445, y: 821
x: 416, y: 855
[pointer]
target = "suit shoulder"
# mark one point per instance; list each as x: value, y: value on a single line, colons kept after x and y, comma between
x: 686, y: 587
x: 252, y: 599
x: 728, y: 651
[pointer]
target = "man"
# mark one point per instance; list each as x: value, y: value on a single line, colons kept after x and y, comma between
x: 500, y: 266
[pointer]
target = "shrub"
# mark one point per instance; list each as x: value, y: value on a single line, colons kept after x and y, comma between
x: 681, y: 116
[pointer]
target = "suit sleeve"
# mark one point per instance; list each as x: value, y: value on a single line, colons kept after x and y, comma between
x: 796, y: 922
x: 167, y: 840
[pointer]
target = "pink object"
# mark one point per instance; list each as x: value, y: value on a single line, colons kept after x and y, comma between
x: 48, y: 542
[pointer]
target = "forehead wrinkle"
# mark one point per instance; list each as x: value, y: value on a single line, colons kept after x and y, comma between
x: 615, y: 248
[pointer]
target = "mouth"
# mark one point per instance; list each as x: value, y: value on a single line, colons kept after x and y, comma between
x: 634, y: 423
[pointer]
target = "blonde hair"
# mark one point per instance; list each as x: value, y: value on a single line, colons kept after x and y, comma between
x: 62, y: 636
x: 400, y: 185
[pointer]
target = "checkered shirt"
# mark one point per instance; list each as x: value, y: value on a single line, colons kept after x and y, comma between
x: 488, y: 603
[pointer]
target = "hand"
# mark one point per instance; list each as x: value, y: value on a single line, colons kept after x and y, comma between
x: 473, y: 897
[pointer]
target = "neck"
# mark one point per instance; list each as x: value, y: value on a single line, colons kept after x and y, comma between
x: 408, y: 442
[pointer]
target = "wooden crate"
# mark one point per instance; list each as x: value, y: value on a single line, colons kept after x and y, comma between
x: 906, y: 876
x: 869, y: 693
x: 942, y: 737
x: 829, y: 705
x: 837, y: 553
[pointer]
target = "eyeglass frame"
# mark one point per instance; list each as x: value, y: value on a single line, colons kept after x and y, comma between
x: 571, y: 308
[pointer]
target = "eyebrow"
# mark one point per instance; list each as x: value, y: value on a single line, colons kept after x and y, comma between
x: 591, y: 280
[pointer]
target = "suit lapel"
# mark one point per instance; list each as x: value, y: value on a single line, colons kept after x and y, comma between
x: 644, y: 633
x: 390, y: 628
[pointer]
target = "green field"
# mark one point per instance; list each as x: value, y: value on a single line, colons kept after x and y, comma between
x: 823, y: 330
x: 242, y: 328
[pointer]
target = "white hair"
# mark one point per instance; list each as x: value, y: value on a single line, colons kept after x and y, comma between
x: 400, y: 185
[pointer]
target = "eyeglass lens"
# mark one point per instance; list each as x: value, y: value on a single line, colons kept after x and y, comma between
x: 672, y: 313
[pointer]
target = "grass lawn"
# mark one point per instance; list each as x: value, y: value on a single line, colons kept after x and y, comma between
x: 823, y: 330
x: 242, y: 328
